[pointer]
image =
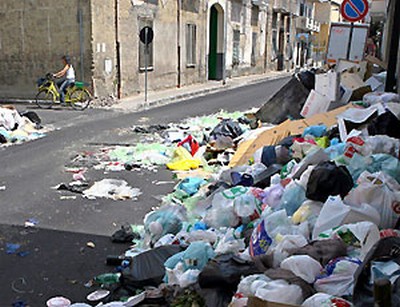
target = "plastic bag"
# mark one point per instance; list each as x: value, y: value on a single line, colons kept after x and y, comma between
x: 271, y: 230
x: 272, y: 195
x: 325, y: 300
x: 191, y: 185
x: 195, y: 256
x: 328, y: 179
x: 279, y: 291
x: 166, y: 220
x: 316, y: 131
x: 335, y: 213
x: 337, y: 277
x: 292, y: 198
x: 308, y: 211
x: 374, y: 163
x: 230, y: 205
x: 183, y: 161
x: 381, y: 192
x: 285, y: 246
x: 302, y: 266
x: 190, y: 144
x: 359, y: 237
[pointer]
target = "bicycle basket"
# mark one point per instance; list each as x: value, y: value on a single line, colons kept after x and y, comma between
x: 40, y: 81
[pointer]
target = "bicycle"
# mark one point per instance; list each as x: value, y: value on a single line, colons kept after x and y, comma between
x: 77, y: 94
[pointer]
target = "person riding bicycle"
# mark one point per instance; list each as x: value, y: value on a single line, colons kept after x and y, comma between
x: 66, y: 75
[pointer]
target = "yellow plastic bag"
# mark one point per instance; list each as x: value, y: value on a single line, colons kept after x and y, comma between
x: 183, y: 160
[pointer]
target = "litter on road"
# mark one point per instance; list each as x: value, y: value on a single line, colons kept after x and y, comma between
x: 19, y: 127
x: 304, y: 212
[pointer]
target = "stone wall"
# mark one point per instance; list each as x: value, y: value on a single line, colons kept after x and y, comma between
x: 103, y: 40
x: 164, y: 71
x: 34, y: 35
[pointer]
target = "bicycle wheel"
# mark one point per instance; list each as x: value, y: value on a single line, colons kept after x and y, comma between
x: 80, y: 99
x: 45, y: 99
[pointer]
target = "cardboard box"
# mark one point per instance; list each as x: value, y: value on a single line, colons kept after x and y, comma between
x: 316, y: 103
x: 256, y: 302
x: 328, y: 85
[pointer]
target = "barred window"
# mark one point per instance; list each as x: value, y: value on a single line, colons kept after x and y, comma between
x: 254, y: 15
x: 236, y: 47
x: 236, y: 10
x: 190, y: 45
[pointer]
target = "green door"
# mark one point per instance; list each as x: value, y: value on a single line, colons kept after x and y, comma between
x: 212, y: 55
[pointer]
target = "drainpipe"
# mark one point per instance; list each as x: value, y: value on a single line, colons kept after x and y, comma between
x: 225, y: 43
x: 118, y: 49
x: 178, y: 23
x: 81, y: 42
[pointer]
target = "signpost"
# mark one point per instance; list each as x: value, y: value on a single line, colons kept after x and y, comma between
x: 146, y: 36
x: 353, y: 11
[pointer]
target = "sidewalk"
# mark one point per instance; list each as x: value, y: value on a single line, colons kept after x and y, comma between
x: 162, y: 97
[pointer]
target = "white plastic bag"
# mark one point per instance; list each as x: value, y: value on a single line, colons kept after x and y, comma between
x: 335, y: 213
x: 325, y: 300
x: 380, y: 191
x: 338, y: 277
x: 280, y: 291
x: 285, y: 246
x: 302, y: 266
x: 365, y: 233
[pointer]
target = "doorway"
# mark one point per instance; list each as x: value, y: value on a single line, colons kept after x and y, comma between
x: 216, y: 43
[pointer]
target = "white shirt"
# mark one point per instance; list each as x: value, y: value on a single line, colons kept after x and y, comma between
x: 70, y: 75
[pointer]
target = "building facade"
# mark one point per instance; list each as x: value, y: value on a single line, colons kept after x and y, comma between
x: 194, y: 41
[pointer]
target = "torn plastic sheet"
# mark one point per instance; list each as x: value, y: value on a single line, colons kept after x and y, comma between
x: 111, y: 188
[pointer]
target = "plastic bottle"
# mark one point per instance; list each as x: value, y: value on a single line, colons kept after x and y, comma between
x: 107, y: 278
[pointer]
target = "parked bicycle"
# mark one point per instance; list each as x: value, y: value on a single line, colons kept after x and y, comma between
x: 77, y: 95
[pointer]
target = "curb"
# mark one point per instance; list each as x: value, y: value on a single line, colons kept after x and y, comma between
x: 170, y: 99
x: 174, y: 99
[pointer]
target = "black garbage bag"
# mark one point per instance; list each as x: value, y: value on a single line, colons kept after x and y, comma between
x: 307, y: 78
x: 124, y: 235
x: 386, y: 249
x: 327, y: 179
x: 385, y: 124
x: 32, y: 116
x: 225, y: 272
x: 3, y: 139
x: 228, y: 128
x: 147, y: 268
x: 286, y: 103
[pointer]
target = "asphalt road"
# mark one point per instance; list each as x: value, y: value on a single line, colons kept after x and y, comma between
x: 59, y: 261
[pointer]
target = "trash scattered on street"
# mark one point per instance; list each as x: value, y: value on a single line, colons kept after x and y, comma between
x: 18, y: 127
x: 111, y: 188
x: 287, y: 213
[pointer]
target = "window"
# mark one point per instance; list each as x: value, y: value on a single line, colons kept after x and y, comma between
x: 236, y: 10
x: 191, y: 5
x: 143, y: 51
x: 254, y: 15
x: 236, y: 48
x: 254, y: 49
x: 190, y: 45
x: 274, y: 53
x: 274, y: 20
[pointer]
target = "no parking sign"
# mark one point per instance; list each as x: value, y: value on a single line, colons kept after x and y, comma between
x: 354, y: 10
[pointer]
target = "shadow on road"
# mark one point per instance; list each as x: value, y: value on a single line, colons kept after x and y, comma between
x: 50, y: 263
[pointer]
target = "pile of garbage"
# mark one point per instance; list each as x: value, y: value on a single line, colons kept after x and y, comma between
x: 304, y: 213
x: 203, y: 143
x: 16, y: 127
